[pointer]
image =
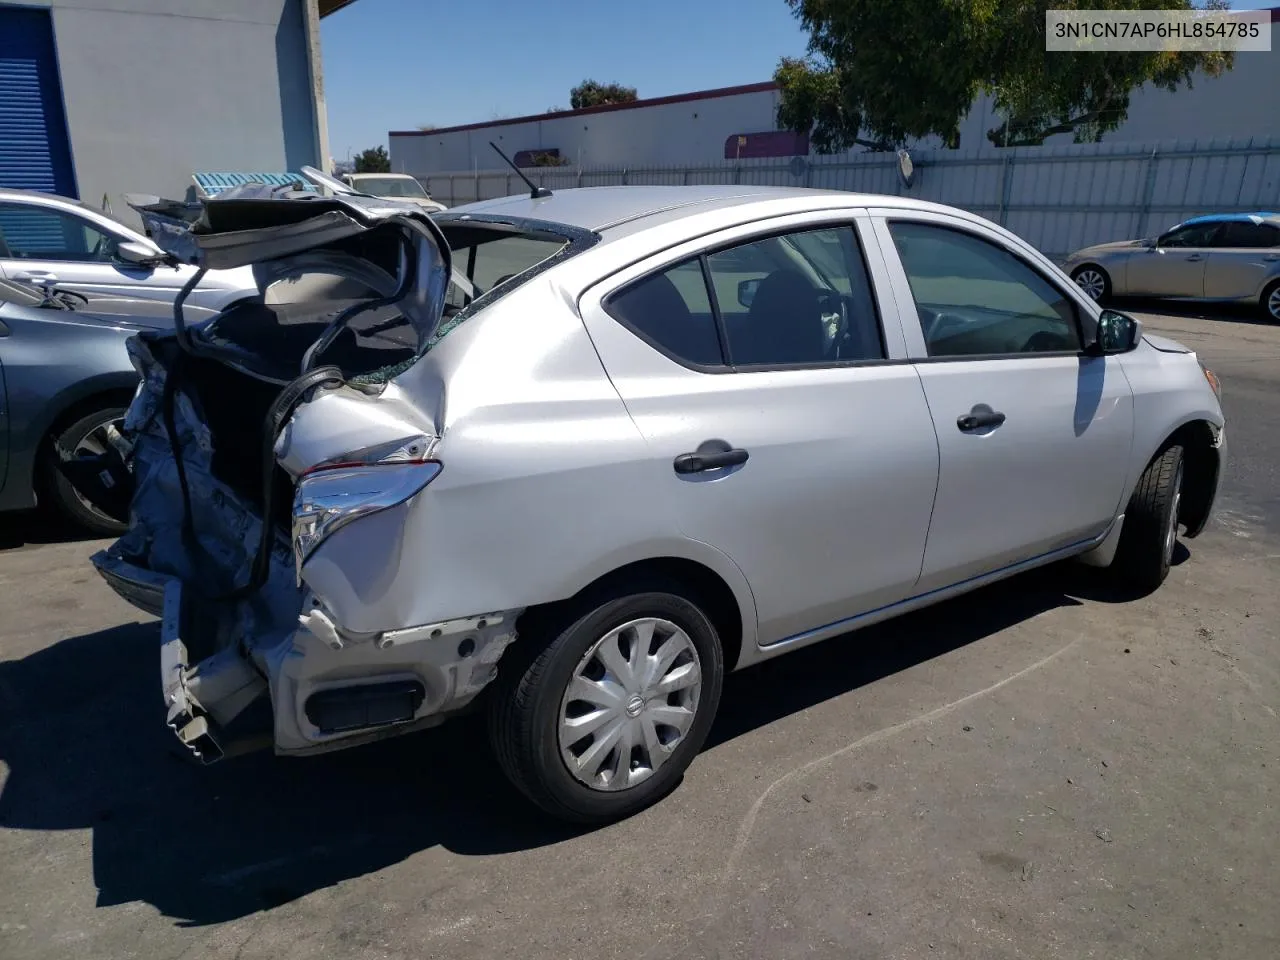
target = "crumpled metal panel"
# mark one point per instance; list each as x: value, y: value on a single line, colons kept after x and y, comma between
x: 214, y: 555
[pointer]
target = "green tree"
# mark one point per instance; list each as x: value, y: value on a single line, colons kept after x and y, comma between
x: 373, y: 160
x: 878, y: 74
x: 591, y: 94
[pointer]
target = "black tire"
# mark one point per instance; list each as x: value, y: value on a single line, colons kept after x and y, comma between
x: 1150, y: 530
x: 62, y: 495
x: 1270, y: 302
x: 1106, y: 281
x: 524, y: 710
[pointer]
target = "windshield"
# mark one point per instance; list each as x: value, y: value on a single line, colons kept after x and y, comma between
x: 389, y: 186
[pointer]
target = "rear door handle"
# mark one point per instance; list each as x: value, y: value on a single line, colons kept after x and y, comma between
x: 710, y: 455
x: 1194, y: 257
x: 37, y: 276
x: 978, y: 418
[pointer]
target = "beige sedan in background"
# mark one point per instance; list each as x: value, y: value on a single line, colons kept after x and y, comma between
x: 1224, y: 257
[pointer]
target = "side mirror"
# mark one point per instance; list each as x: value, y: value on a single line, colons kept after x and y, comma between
x: 1149, y: 243
x: 130, y: 251
x: 747, y: 291
x: 1117, y: 333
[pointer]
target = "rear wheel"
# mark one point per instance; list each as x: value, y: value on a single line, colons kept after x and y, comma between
x: 1150, y: 530
x: 1271, y: 302
x: 600, y: 711
x: 1094, y: 281
x: 86, y: 436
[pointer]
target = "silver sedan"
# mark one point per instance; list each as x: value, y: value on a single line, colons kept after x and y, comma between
x: 577, y: 456
x: 1225, y: 257
x: 53, y: 241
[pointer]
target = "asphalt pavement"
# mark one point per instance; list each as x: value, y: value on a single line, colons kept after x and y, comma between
x: 1050, y: 767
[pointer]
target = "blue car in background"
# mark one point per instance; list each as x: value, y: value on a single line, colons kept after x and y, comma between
x: 65, y: 381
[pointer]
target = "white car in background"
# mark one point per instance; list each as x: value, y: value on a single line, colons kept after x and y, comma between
x: 52, y: 241
x: 393, y: 186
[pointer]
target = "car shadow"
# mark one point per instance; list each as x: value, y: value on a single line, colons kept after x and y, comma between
x: 1193, y: 309
x: 31, y: 528
x: 82, y: 735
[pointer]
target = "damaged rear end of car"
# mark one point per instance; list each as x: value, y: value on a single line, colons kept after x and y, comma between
x: 274, y: 462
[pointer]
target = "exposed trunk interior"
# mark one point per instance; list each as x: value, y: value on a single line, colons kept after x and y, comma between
x: 234, y: 404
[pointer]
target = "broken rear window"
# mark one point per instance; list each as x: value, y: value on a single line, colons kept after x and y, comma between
x: 483, y: 259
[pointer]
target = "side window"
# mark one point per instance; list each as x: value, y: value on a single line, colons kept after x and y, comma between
x: 1194, y: 235
x: 797, y: 298
x: 975, y: 298
x: 673, y: 312
x: 1248, y: 235
x: 40, y: 233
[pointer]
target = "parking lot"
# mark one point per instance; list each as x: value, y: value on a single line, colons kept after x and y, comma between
x: 1045, y: 768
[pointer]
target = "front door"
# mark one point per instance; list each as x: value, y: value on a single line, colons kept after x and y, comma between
x: 783, y: 424
x: 1174, y: 267
x: 1033, y: 436
x: 44, y: 245
x: 1245, y: 256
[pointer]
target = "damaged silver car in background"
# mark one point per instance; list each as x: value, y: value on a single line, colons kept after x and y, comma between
x: 571, y: 458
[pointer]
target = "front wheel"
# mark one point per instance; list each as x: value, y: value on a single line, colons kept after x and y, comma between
x: 1150, y: 530
x: 1093, y: 280
x: 598, y: 718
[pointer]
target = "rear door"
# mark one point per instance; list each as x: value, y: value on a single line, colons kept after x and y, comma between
x: 785, y: 426
x: 1244, y: 257
x: 1033, y: 436
x: 1175, y: 266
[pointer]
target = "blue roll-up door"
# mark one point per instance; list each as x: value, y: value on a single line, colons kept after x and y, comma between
x: 34, y: 152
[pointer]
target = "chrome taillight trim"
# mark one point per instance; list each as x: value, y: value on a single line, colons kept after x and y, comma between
x: 328, y: 500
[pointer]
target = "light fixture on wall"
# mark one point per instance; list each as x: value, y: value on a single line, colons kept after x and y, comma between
x: 906, y: 169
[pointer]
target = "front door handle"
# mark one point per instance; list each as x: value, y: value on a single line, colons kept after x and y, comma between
x: 710, y: 455
x: 979, y: 417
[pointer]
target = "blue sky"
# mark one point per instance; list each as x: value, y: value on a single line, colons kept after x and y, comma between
x: 396, y: 64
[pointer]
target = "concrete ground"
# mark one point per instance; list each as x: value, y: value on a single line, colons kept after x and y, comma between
x: 1045, y: 768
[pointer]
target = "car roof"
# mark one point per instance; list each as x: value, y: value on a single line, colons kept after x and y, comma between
x: 13, y: 193
x: 606, y: 208
x: 1236, y: 218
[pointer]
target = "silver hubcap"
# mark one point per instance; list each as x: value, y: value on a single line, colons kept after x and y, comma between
x: 1092, y: 283
x: 630, y: 703
x: 1273, y: 304
x: 93, y: 444
x: 1171, y: 534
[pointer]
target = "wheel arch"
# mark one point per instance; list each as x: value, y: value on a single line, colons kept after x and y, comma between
x: 1107, y: 272
x: 734, y: 620
x: 1202, y: 465
x: 1265, y: 288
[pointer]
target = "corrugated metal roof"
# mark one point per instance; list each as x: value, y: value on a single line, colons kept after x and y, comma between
x: 212, y: 184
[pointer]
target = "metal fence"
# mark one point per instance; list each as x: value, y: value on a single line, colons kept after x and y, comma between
x: 1058, y: 198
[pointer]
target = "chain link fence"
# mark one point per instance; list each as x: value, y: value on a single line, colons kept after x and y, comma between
x: 1058, y: 198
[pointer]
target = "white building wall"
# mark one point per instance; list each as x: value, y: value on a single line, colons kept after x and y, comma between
x: 668, y: 133
x: 1241, y: 103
